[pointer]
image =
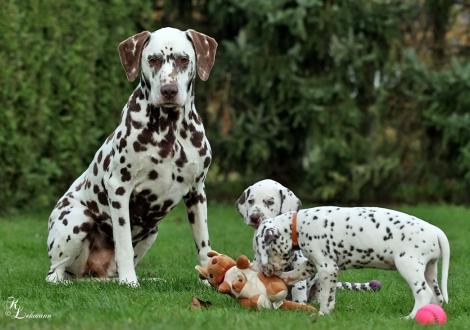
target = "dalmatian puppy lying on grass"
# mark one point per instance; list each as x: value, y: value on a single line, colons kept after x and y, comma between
x: 267, y: 199
x: 337, y: 238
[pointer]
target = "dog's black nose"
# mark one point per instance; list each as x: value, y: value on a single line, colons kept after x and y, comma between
x: 169, y: 91
x: 255, y: 217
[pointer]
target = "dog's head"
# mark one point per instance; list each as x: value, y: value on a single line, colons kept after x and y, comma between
x: 266, y: 199
x: 168, y: 60
x: 272, y: 245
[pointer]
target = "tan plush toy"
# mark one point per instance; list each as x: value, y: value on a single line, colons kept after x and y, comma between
x: 216, y: 268
x: 252, y: 289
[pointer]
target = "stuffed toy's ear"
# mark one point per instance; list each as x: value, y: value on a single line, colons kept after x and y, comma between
x: 243, y: 262
x: 224, y: 287
x: 213, y: 253
x: 130, y: 52
x: 205, y: 48
x: 202, y: 271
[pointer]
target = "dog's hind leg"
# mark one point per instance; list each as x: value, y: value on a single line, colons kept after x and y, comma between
x: 66, y: 242
x: 431, y: 278
x: 413, y: 273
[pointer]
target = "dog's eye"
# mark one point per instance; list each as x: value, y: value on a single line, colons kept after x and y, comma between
x: 251, y: 201
x: 211, y: 276
x: 269, y: 202
x: 182, y: 61
x: 155, y: 61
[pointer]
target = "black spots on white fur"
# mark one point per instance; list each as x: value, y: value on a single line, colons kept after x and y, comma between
x: 138, y: 147
x: 63, y: 214
x: 389, y: 234
x: 182, y: 159
x: 106, y: 162
x: 121, y: 221
x: 100, y: 156
x: 207, y: 161
x: 125, y: 174
x: 153, y: 175
x: 191, y: 217
x: 120, y: 191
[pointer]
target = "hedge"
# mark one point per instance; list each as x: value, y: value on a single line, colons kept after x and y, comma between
x: 331, y: 99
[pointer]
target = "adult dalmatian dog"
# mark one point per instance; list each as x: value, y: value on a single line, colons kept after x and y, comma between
x: 157, y: 155
x: 337, y: 238
x: 267, y: 199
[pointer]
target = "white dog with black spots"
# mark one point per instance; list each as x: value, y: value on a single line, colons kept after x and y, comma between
x: 157, y: 156
x: 267, y: 199
x: 337, y: 238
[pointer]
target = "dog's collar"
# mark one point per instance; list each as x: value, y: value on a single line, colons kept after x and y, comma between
x: 295, y: 242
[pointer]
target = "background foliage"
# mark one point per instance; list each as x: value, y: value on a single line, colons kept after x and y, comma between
x: 348, y: 101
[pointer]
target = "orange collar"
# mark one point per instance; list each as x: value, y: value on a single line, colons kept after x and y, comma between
x: 295, y: 242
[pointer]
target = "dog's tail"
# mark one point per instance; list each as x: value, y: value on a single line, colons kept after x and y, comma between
x: 445, y: 254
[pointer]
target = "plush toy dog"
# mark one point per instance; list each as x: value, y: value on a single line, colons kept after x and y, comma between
x: 217, y: 266
x: 252, y: 289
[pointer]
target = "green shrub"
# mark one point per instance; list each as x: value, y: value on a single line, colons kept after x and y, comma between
x: 330, y: 98
x: 62, y: 91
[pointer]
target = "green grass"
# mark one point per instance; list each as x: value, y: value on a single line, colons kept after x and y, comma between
x: 166, y: 304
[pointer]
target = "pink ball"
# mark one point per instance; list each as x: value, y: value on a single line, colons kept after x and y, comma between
x: 431, y: 314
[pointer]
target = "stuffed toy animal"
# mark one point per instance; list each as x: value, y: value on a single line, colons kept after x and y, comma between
x: 216, y: 268
x: 252, y: 289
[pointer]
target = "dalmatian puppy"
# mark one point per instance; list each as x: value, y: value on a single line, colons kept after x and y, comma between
x: 267, y: 199
x: 157, y: 156
x: 336, y: 238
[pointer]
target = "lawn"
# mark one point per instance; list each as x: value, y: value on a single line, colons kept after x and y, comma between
x: 165, y: 304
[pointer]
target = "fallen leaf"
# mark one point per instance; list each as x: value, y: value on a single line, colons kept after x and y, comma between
x: 200, y: 304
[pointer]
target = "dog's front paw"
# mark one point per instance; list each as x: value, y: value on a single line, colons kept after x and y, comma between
x: 131, y: 282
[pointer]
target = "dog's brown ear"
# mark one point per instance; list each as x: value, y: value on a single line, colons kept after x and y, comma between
x: 130, y: 52
x: 205, y: 48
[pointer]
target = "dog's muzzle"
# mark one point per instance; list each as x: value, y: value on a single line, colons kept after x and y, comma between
x: 169, y: 92
x: 255, y: 219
